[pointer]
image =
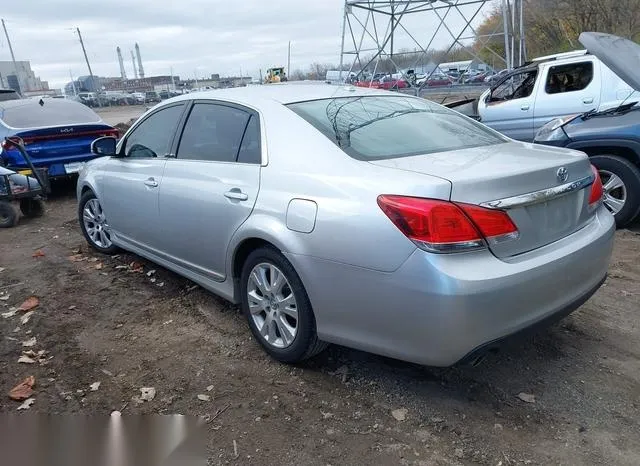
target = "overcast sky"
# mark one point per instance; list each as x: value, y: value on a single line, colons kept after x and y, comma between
x: 192, y: 36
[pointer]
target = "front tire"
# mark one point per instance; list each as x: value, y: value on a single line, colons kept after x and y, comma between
x: 9, y: 215
x: 94, y: 225
x: 621, y: 183
x: 277, y: 307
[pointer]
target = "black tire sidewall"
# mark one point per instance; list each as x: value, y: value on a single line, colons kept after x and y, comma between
x: 630, y: 176
x: 306, y: 322
x: 31, y: 208
x: 10, y: 212
x: 86, y: 197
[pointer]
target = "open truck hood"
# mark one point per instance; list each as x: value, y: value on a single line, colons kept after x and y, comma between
x: 622, y: 56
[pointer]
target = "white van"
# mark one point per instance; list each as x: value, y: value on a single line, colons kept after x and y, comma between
x: 550, y: 87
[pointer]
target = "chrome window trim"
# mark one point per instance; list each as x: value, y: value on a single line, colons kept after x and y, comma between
x: 543, y: 195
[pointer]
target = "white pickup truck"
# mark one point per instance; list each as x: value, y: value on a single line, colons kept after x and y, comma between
x: 547, y: 88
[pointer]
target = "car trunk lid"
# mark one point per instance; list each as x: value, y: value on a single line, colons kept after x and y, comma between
x: 544, y: 190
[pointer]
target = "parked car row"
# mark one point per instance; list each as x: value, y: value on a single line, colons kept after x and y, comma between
x: 109, y: 98
x: 435, y: 79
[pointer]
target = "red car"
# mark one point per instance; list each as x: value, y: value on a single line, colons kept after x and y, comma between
x: 384, y: 83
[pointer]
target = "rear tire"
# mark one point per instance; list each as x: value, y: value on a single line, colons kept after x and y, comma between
x: 9, y: 215
x: 627, y: 190
x: 304, y: 343
x: 31, y: 208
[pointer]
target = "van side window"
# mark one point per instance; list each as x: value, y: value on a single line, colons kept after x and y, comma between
x: 516, y: 86
x: 569, y: 78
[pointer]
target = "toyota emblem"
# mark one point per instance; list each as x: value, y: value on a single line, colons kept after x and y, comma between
x: 562, y: 174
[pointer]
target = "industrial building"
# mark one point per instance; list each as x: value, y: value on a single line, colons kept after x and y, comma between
x: 25, y: 81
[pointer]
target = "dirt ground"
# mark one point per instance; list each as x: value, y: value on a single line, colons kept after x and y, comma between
x: 101, y: 322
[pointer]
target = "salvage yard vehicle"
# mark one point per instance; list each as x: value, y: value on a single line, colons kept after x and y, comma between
x: 611, y: 137
x: 547, y: 88
x: 27, y: 192
x: 360, y: 217
x: 57, y: 134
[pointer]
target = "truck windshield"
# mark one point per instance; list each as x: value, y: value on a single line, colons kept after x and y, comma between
x: 373, y: 128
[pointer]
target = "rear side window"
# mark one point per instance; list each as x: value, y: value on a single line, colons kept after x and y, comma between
x: 53, y: 112
x: 373, y: 128
x: 213, y: 133
x: 569, y: 78
x: 250, y: 147
x: 153, y: 137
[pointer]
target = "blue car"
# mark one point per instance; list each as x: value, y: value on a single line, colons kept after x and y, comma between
x: 57, y: 134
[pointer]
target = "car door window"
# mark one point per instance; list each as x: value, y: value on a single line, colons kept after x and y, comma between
x: 516, y: 86
x: 250, y: 147
x: 569, y: 78
x: 213, y: 132
x: 153, y: 137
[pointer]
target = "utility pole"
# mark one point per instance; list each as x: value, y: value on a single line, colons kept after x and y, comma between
x: 505, y: 22
x: 289, y: 61
x: 13, y: 57
x: 84, y: 51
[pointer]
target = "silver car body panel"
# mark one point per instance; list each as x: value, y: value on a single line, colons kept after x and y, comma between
x: 369, y: 285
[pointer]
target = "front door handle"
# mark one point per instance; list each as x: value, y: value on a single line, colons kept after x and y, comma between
x: 524, y: 108
x: 236, y: 194
x: 587, y: 100
x: 151, y: 183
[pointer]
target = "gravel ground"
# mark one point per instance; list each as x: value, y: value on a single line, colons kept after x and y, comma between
x: 101, y: 322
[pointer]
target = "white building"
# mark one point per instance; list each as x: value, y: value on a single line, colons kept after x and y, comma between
x: 26, y: 80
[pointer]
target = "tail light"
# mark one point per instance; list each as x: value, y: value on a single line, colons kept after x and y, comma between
x: 597, y: 191
x: 113, y: 132
x: 442, y: 226
x: 7, y: 145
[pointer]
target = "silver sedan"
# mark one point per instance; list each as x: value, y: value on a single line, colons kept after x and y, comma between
x: 365, y: 218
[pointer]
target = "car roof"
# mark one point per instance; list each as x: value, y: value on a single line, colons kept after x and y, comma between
x: 283, y: 93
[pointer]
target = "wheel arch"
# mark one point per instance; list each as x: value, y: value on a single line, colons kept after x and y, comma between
x: 627, y: 149
x: 257, y: 232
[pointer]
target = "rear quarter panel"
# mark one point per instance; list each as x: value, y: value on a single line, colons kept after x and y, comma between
x: 350, y: 228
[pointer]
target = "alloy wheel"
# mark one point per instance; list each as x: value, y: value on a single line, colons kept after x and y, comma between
x: 95, y: 223
x: 272, y: 304
x: 615, y: 191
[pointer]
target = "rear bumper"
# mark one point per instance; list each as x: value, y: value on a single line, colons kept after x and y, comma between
x: 480, y: 351
x: 438, y: 309
x: 56, y: 167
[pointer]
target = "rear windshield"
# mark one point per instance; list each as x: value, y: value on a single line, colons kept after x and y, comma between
x: 54, y: 112
x: 383, y: 127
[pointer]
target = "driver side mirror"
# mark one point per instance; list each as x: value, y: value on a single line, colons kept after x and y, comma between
x: 104, y: 146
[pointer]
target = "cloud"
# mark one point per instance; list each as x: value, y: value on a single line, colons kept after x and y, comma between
x: 194, y: 37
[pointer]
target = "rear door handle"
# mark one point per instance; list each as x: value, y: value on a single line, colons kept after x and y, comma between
x: 524, y: 108
x: 236, y: 194
x: 151, y: 183
x: 588, y: 100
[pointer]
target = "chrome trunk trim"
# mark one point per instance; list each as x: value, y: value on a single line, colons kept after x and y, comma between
x: 543, y: 195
